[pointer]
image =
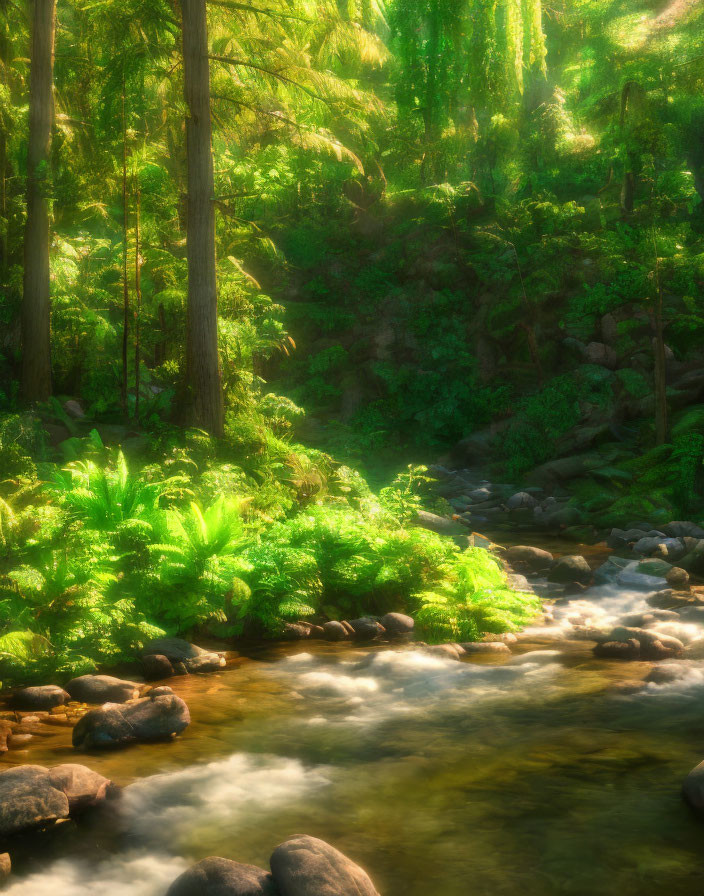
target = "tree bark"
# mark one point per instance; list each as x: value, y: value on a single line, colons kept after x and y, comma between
x: 430, y: 124
x: 5, y: 60
x: 125, y: 247
x: 138, y: 298
x: 202, y: 362
x: 36, y: 344
x: 661, y: 422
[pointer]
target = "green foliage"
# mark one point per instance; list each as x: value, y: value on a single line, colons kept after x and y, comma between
x: 341, y: 563
x: 105, y: 554
x: 403, y: 498
x: 472, y: 600
x: 542, y: 418
x: 195, y: 557
x: 105, y: 497
x: 418, y: 234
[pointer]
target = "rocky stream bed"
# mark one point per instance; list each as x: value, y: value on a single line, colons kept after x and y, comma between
x: 547, y: 762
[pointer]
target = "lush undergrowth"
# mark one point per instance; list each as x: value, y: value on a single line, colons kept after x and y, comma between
x: 99, y: 554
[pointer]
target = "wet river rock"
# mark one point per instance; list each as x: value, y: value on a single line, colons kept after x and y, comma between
x: 102, y: 689
x: 169, y: 656
x: 42, y: 697
x: 157, y: 666
x: 335, y: 631
x: 306, y: 866
x: 572, y: 569
x: 528, y: 559
x: 366, y: 629
x: 397, y: 625
x: 32, y: 796
x: 677, y: 578
x: 302, y: 866
x: 114, y: 725
x: 490, y: 648
x: 624, y: 642
x: 448, y: 651
x: 222, y: 877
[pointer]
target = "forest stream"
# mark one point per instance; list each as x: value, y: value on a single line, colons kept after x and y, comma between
x: 544, y: 772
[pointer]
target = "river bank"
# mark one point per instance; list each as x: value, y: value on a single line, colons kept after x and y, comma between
x: 546, y: 770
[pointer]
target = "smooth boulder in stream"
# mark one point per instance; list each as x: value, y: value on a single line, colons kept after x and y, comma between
x: 625, y: 642
x: 157, y: 718
x: 102, y: 689
x: 179, y: 654
x: 528, y: 558
x: 215, y: 876
x: 398, y: 625
x: 335, y: 631
x: 33, y: 797
x: 40, y: 697
x: 306, y: 866
x: 572, y: 569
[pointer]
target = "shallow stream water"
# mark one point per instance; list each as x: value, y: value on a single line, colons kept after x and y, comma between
x: 548, y: 772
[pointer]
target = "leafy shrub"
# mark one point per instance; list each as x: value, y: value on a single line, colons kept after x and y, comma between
x: 472, y: 598
x: 100, y: 556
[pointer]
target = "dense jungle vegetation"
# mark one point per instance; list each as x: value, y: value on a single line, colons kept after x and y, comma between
x: 254, y: 256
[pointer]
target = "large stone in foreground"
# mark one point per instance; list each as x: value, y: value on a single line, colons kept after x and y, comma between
x: 102, y: 689
x: 306, y: 866
x: 32, y: 796
x: 83, y: 787
x: 222, y: 877
x: 28, y: 800
x: 114, y: 725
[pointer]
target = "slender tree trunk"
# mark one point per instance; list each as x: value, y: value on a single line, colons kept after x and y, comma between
x: 4, y: 248
x: 125, y: 245
x: 202, y: 361
x: 429, y: 118
x: 5, y: 61
x: 138, y: 298
x: 36, y: 341
x: 660, y: 358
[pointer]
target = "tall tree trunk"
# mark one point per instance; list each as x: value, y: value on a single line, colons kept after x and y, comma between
x: 429, y: 118
x: 660, y: 357
x: 5, y: 62
x: 36, y: 342
x: 202, y: 362
x: 138, y: 297
x: 125, y: 246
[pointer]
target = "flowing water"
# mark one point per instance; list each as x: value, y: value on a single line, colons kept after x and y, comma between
x: 548, y: 772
